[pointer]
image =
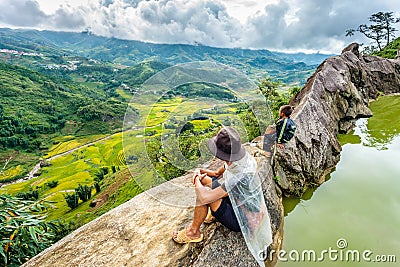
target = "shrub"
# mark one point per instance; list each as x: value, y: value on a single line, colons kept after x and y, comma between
x: 99, y: 175
x: 97, y: 187
x: 72, y: 200
x: 84, y: 192
x: 52, y: 184
x: 31, y: 195
x: 105, y: 170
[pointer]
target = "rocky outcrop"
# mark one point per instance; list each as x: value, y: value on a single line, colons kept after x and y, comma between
x: 331, y: 101
x: 138, y: 233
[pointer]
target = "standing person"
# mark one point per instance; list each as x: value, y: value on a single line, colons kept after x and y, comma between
x: 238, y: 202
x: 281, y: 132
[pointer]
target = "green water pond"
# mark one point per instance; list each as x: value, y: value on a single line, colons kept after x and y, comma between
x: 358, y: 206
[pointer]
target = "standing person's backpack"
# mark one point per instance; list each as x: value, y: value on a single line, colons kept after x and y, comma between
x: 287, y: 131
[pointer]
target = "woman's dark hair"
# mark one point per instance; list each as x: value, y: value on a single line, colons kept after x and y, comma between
x: 287, y: 110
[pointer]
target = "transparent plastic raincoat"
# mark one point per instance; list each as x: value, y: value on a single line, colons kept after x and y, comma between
x: 245, y: 192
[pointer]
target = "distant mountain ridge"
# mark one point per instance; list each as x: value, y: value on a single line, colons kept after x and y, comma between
x: 289, y: 68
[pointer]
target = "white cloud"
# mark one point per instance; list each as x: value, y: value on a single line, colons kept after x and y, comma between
x: 288, y: 25
x: 21, y: 13
x: 310, y: 24
x: 242, y: 9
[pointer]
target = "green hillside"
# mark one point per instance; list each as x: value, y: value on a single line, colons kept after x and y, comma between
x: 35, y: 108
x: 390, y: 51
x: 285, y: 67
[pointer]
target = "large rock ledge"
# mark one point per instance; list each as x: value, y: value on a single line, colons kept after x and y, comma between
x: 138, y: 233
x: 332, y: 100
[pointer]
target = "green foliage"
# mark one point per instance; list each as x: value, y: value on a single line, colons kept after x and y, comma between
x: 135, y: 76
x: 381, y: 31
x: 287, y: 67
x: 105, y: 170
x: 193, y: 90
x: 169, y: 171
x: 63, y: 228
x: 72, y: 200
x: 23, y: 232
x: 97, y: 187
x: 52, y: 184
x: 35, y: 106
x: 100, y: 173
x: 188, y: 143
x: 30, y: 195
x: 132, y: 159
x: 251, y: 123
x: 294, y: 90
x: 164, y: 168
x: 84, y: 192
x: 275, y: 96
x: 184, y: 127
x: 103, y: 111
x: 390, y: 51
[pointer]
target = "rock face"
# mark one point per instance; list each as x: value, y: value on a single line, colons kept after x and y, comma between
x: 138, y: 233
x: 333, y: 98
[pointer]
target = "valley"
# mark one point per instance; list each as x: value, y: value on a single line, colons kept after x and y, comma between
x: 62, y: 110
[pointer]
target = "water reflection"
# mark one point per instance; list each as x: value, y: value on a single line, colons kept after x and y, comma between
x: 361, y: 200
x: 290, y: 203
x: 380, y: 130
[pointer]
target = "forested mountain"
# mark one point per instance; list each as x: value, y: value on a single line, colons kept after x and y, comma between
x: 289, y: 68
x: 34, y: 106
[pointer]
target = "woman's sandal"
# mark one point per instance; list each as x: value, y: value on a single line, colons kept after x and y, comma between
x: 182, y: 238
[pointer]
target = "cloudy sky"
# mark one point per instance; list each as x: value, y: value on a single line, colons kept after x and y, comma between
x: 280, y: 25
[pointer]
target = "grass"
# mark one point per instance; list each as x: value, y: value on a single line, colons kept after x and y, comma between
x: 201, y: 124
x: 69, y: 142
x: 79, y: 167
x: 19, y: 164
x: 390, y: 51
x: 11, y: 172
x: 124, y: 94
x: 159, y: 112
